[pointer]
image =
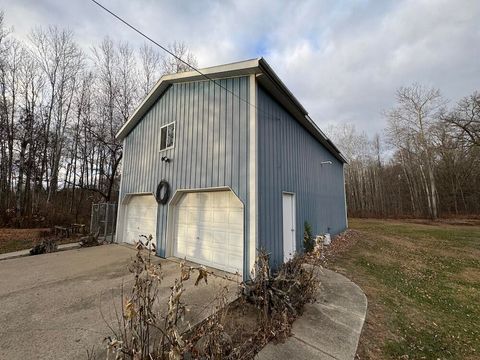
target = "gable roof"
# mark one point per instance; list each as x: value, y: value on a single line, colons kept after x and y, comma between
x: 265, y: 76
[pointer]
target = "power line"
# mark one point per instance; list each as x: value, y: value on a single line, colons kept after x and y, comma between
x: 272, y: 116
x: 171, y: 53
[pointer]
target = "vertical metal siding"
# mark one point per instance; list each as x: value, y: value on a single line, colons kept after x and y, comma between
x: 289, y: 159
x: 211, y: 143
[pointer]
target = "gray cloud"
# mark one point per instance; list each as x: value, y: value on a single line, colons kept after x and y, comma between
x: 342, y: 60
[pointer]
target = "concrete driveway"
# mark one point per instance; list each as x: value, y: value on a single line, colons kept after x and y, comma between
x: 51, y: 305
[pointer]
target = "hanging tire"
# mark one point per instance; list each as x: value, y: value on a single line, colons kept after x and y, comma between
x: 163, y: 192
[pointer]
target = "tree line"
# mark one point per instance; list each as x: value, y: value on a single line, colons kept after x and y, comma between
x: 425, y: 164
x: 60, y: 108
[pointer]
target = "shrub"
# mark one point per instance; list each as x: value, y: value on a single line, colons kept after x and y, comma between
x: 45, y: 246
x: 308, y: 239
x: 281, y: 296
x: 145, y: 330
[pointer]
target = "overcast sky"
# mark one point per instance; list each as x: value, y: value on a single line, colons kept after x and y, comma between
x: 342, y: 59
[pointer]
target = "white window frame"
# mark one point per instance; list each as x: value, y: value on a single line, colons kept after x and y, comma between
x: 174, y: 135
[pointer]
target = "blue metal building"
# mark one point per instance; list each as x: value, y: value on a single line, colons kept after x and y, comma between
x: 242, y: 162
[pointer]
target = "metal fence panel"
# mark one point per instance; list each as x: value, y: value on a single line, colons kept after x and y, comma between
x: 103, y: 220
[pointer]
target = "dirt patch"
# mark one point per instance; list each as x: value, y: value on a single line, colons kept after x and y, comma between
x: 469, y: 275
x: 243, y: 317
x: 473, y: 220
x: 7, y: 234
x: 242, y: 324
x: 21, y: 239
x: 466, y: 253
x: 449, y: 221
x: 341, y: 244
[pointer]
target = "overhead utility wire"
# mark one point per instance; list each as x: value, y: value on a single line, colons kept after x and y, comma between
x: 272, y: 116
x: 171, y: 53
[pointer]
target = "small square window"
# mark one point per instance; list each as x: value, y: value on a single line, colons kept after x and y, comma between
x: 167, y: 136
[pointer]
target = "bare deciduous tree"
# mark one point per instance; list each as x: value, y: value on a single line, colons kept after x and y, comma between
x: 150, y: 67
x: 61, y: 60
x: 410, y: 127
x: 396, y: 182
x: 172, y: 65
x: 465, y: 118
x: 59, y: 113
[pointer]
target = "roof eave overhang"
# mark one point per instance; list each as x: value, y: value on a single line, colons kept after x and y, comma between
x: 279, y: 90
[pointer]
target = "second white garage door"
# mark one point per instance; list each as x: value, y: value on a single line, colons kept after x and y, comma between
x: 209, y: 229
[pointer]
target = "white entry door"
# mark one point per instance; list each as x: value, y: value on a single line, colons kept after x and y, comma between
x: 209, y: 229
x: 289, y: 247
x: 141, y: 218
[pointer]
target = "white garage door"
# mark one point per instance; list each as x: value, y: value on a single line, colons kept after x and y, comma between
x: 140, y: 218
x: 209, y: 229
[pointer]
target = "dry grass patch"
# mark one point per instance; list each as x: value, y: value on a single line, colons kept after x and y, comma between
x: 469, y: 275
x: 21, y: 239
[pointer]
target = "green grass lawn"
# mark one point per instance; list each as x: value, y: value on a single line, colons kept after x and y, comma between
x: 423, y: 286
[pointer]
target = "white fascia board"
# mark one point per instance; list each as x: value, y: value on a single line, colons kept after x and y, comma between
x: 225, y: 70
